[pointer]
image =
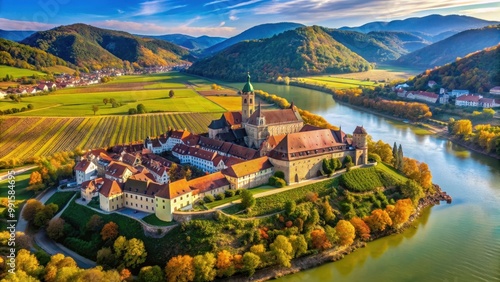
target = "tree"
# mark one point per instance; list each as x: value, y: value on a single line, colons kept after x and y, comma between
x: 250, y: 262
x: 362, y: 229
x: 412, y: 190
x: 224, y: 263
x: 109, y: 231
x: 135, y: 253
x: 44, y: 214
x: 171, y: 93
x: 299, y: 245
x: 328, y: 214
x: 290, y: 207
x: 56, y: 263
x: 345, y: 232
x: 120, y: 245
x: 247, y: 199
x: 347, y: 160
x: 106, y: 258
x: 319, y: 240
x: 282, y: 250
x: 180, y: 268
x: 55, y: 229
x: 125, y: 275
x: 425, y: 176
x: 95, y: 108
x: 151, y: 274
x: 95, y: 223
x: 28, y: 263
x: 35, y: 178
x: 132, y: 111
x: 378, y: 220
x: 400, y: 158
x: 30, y: 209
x: 401, y: 212
x: 204, y: 267
x: 326, y: 166
x: 462, y: 127
x: 141, y: 109
x: 105, y: 101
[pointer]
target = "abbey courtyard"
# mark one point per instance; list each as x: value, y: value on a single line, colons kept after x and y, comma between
x: 242, y: 150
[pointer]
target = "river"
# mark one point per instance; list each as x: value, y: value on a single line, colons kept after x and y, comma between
x: 456, y: 242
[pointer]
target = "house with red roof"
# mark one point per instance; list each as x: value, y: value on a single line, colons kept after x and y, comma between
x: 468, y: 100
x: 85, y: 170
x: 495, y: 90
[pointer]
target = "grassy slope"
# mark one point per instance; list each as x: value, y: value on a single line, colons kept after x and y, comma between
x: 17, y: 72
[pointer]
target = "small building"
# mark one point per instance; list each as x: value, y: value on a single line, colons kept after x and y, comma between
x: 427, y: 97
x: 172, y: 197
x: 249, y: 174
x: 495, y: 90
x: 457, y: 93
x: 85, y: 170
x: 431, y: 83
x: 211, y: 184
x: 90, y: 189
x: 488, y: 103
x: 468, y: 100
x: 110, y: 195
x: 119, y: 172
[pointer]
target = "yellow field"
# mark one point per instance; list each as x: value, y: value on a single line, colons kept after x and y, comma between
x: 230, y: 103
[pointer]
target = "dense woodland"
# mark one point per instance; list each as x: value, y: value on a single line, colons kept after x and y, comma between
x: 477, y: 72
x: 483, y: 136
x: 303, y: 51
x: 23, y: 56
x: 93, y: 48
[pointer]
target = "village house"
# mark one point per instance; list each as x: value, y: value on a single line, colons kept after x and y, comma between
x: 489, y: 103
x: 90, y: 188
x: 495, y: 90
x: 110, y: 195
x: 119, y: 171
x: 468, y: 100
x: 457, y: 93
x: 172, y: 197
x: 85, y: 170
x: 249, y: 174
x: 431, y: 83
x: 427, y: 97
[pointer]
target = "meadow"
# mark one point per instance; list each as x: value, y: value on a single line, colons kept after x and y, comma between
x: 128, y: 91
x: 337, y: 82
x: 230, y: 103
x: 17, y: 72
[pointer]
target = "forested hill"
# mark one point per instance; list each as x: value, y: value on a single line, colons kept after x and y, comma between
x: 303, y: 51
x: 477, y: 72
x: 94, y: 48
x: 379, y: 46
x: 26, y: 57
x: 458, y: 45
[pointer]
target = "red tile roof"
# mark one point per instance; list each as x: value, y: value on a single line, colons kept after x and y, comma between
x: 174, y: 189
x: 469, y: 98
x: 110, y: 188
x: 82, y: 165
x: 276, y: 116
x: 248, y: 167
x: 360, y: 130
x: 208, y: 182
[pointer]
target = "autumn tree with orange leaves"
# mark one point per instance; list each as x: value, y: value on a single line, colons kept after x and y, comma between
x: 345, y: 232
x: 361, y: 228
x: 180, y: 269
x: 319, y: 240
x: 379, y: 220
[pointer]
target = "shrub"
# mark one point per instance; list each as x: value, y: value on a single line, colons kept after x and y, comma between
x: 280, y: 183
x: 208, y: 199
x: 272, y: 180
x: 229, y: 193
x: 238, y: 191
x: 132, y: 111
x: 372, y: 157
x: 280, y: 174
x: 220, y: 196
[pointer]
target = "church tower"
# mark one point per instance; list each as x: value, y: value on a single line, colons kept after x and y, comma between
x: 247, y: 100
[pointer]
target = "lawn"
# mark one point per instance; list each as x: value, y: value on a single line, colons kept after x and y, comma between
x: 392, y: 172
x: 154, y: 220
x: 22, y: 182
x: 60, y: 199
x: 61, y: 69
x: 17, y: 72
x: 230, y: 103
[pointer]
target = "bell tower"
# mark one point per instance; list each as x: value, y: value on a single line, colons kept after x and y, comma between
x: 247, y: 100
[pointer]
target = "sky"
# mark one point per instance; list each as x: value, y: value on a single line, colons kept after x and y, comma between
x: 225, y: 18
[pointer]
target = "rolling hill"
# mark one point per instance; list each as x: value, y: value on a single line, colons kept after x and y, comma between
x: 189, y: 42
x: 302, y: 51
x: 257, y: 32
x: 15, y: 35
x: 477, y: 72
x: 433, y: 25
x: 94, y: 48
x: 447, y: 50
x: 23, y: 56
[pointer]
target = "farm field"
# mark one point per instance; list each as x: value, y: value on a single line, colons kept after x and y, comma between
x: 128, y: 91
x: 25, y: 137
x: 17, y: 72
x: 337, y: 82
x: 382, y: 73
x: 230, y: 103
x: 60, y: 69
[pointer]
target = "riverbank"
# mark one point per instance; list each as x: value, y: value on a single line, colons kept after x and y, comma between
x: 338, y: 253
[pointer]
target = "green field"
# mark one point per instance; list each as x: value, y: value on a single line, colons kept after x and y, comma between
x: 60, y: 199
x: 151, y: 90
x: 337, y: 82
x: 17, y: 72
x: 22, y: 182
x: 154, y: 220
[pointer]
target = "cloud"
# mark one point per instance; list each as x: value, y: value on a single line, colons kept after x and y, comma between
x: 7, y: 24
x: 120, y: 11
x: 149, y: 8
x: 480, y: 10
x: 222, y: 24
x: 232, y: 15
x: 153, y: 28
x: 243, y: 4
x: 215, y: 2
x: 316, y: 10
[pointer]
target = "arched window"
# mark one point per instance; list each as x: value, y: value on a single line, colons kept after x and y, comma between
x: 245, y: 101
x: 251, y: 101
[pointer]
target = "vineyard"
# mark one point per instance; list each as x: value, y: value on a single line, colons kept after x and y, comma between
x: 22, y: 138
x: 363, y: 180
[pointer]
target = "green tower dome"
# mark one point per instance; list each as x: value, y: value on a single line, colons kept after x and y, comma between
x: 248, y: 86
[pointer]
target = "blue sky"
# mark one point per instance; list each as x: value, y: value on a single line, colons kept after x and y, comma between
x: 224, y: 17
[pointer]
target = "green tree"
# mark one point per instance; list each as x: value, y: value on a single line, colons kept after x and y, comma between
x: 171, y: 93
x: 151, y: 274
x: 299, y: 245
x: 105, y: 101
x: 204, y: 267
x: 141, y: 109
x: 412, y: 190
x: 106, y: 258
x: 290, y: 207
x: 400, y: 158
x: 326, y: 166
x: 120, y: 245
x: 347, y: 160
x: 250, y: 262
x: 247, y: 199
x: 55, y: 229
x: 30, y: 209
x: 45, y: 214
x: 135, y: 253
x: 95, y: 108
x: 132, y: 111
x: 95, y: 223
x: 282, y: 250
